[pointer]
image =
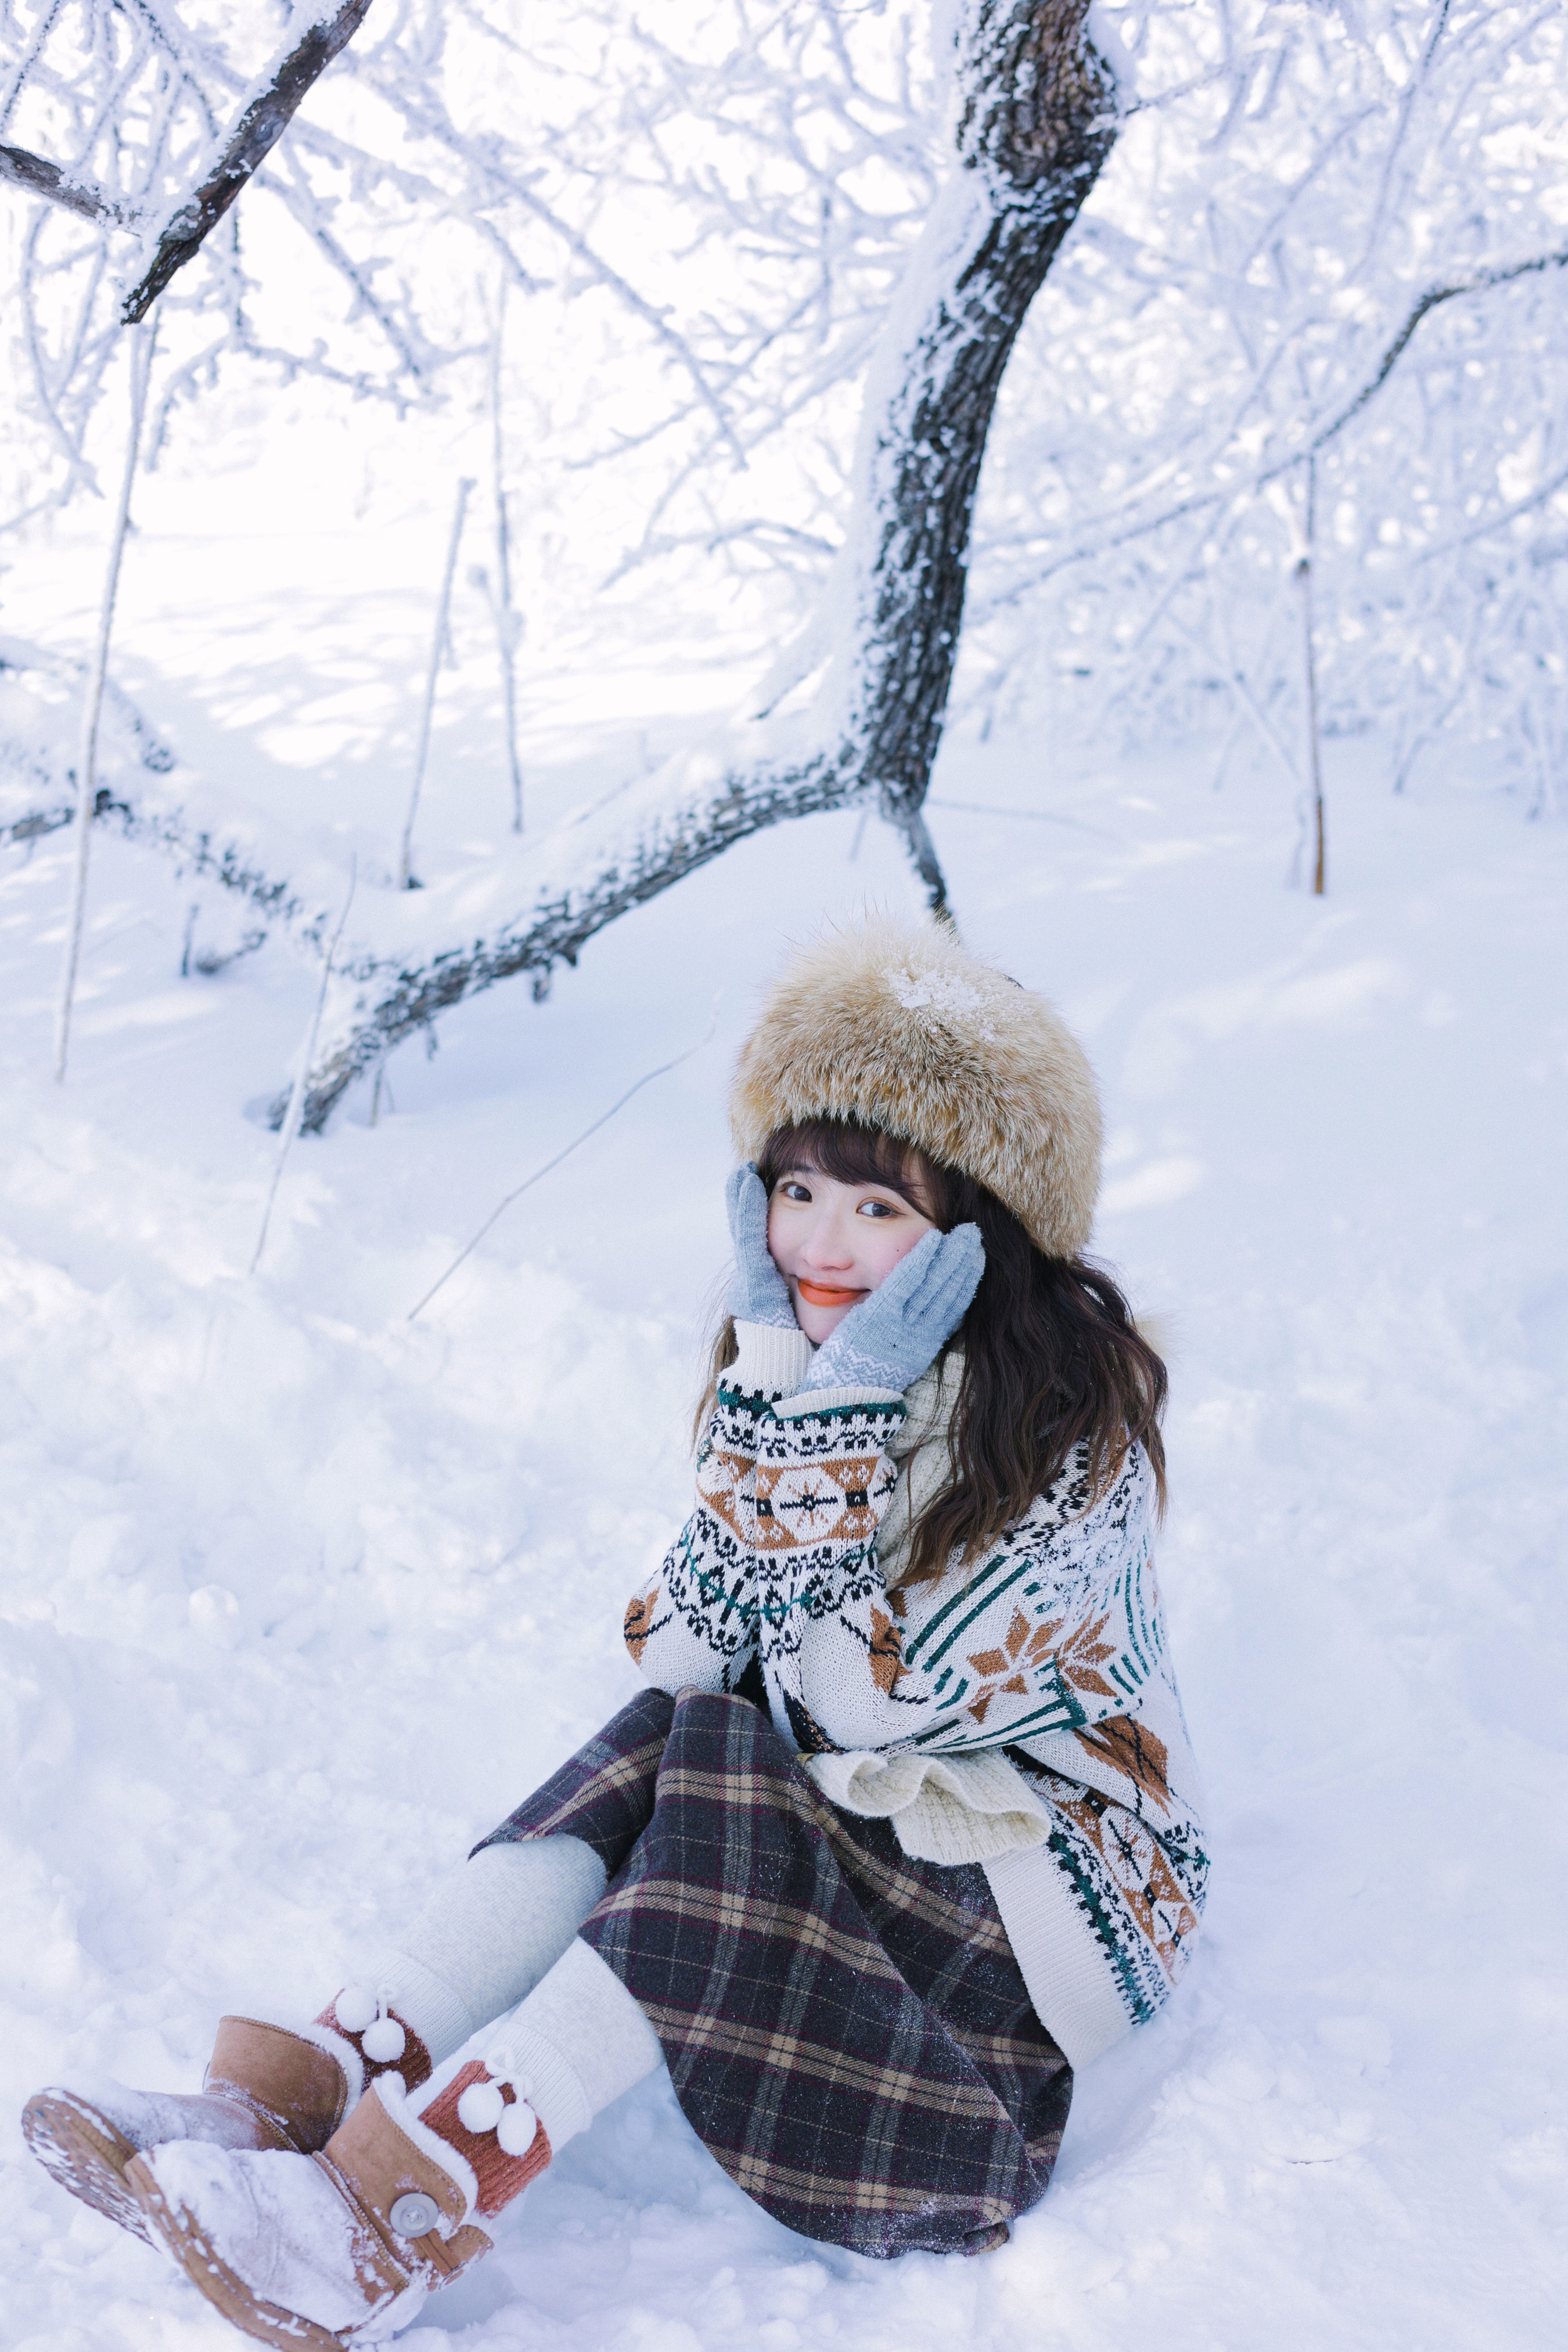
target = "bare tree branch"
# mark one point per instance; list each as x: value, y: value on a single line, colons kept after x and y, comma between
x: 1128, y: 526
x: 661, y: 847
x: 1037, y: 121
x: 195, y: 848
x: 303, y: 908
x: 255, y: 135
x: 41, y: 178
x: 1482, y: 282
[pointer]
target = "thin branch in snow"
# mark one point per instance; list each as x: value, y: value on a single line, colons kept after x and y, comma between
x: 1303, y: 575
x: 140, y: 357
x: 24, y: 831
x: 507, y: 621
x: 603, y: 1120
x: 405, y: 880
x: 301, y: 1075
x: 1029, y: 815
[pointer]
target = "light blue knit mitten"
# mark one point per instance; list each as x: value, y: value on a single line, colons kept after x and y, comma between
x: 896, y: 1334
x: 759, y: 1293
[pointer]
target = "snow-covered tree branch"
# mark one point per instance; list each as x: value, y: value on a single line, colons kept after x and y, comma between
x: 1331, y: 233
x: 38, y: 177
x: 266, y: 115
x: 1323, y: 240
x: 1035, y: 120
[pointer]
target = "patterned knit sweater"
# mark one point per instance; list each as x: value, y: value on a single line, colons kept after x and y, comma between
x: 1020, y: 1712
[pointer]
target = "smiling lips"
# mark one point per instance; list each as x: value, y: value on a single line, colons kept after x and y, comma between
x: 823, y: 1294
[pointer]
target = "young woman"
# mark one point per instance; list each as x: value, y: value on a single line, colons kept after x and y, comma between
x: 903, y: 1828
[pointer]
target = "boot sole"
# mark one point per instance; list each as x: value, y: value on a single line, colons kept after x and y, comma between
x: 81, y: 2149
x: 171, y: 2227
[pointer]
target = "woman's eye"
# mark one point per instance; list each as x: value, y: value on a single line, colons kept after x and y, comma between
x: 794, y: 1191
x: 876, y: 1209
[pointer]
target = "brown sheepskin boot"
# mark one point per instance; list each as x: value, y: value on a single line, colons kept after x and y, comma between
x: 264, y: 2088
x: 310, y: 2251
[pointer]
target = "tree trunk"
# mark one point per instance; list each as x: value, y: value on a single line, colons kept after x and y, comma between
x: 1035, y: 120
x: 1036, y: 123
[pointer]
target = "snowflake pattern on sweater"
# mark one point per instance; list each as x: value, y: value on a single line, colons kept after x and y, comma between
x: 1052, y: 1648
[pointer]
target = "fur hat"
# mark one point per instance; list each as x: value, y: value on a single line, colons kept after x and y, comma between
x: 897, y: 1027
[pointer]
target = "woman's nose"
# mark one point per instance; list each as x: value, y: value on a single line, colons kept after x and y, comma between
x: 831, y: 1245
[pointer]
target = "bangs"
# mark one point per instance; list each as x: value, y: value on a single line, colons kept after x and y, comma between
x: 852, y: 1154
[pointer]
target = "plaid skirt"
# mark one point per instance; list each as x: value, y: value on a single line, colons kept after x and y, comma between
x: 846, y: 2029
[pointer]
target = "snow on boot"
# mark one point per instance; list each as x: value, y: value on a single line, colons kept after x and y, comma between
x: 318, y: 2251
x: 264, y: 2088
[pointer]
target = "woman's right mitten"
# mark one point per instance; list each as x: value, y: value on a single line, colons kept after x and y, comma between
x: 759, y: 1293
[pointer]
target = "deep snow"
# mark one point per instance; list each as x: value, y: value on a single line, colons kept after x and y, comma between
x: 300, y: 1597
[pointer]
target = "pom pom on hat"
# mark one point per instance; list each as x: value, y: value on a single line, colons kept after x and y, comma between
x: 897, y: 1027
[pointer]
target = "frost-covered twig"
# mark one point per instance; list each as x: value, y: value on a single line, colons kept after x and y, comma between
x: 507, y: 620
x: 1121, y: 525
x: 289, y: 887
x: 1481, y: 281
x: 424, y: 114
x: 140, y: 358
x: 593, y: 1129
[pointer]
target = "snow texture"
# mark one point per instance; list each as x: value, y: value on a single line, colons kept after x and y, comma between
x: 302, y: 1598
x: 1336, y: 1167
x: 277, y: 2219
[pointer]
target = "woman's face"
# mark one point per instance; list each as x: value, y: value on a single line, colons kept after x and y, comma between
x: 834, y: 1242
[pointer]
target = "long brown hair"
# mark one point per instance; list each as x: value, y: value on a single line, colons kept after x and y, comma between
x: 1052, y: 1359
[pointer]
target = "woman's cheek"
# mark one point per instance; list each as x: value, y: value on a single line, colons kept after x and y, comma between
x: 897, y: 1246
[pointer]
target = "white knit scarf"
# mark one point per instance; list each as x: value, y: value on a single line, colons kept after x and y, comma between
x: 945, y: 1809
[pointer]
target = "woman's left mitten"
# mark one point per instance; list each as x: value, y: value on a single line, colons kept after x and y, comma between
x: 896, y: 1334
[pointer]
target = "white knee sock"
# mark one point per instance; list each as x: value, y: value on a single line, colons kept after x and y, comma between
x: 486, y: 1938
x: 573, y: 2045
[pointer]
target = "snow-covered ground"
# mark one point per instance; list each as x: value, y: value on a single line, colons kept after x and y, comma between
x: 300, y: 1597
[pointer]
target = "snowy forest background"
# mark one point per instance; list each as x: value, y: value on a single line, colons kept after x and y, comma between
x: 300, y: 1595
